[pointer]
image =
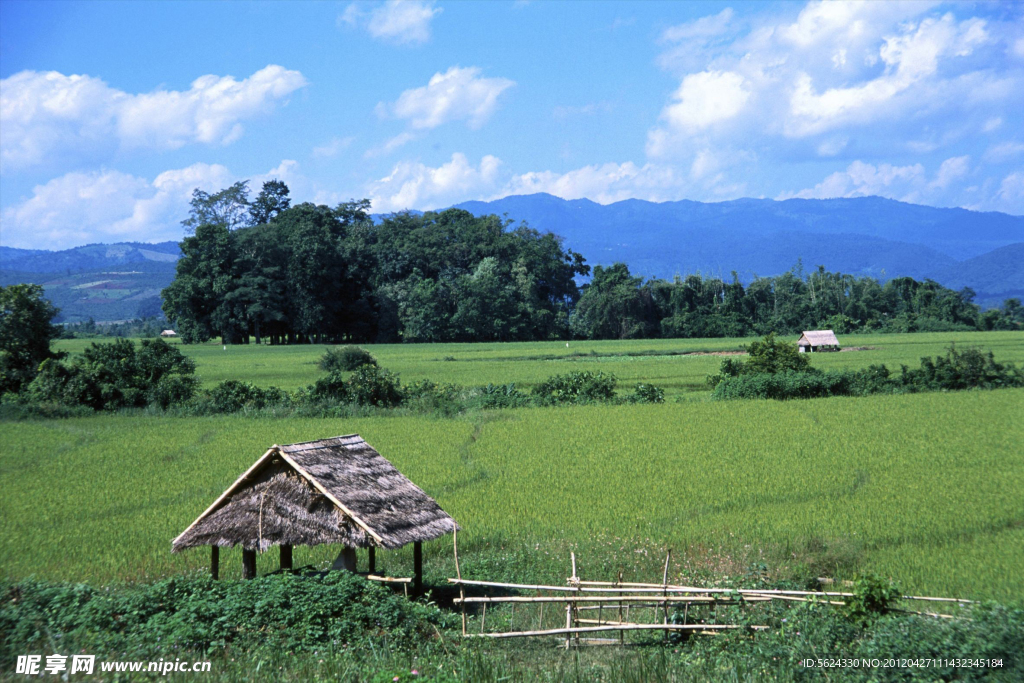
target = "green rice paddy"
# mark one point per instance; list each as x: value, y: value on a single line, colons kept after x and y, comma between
x: 926, y: 488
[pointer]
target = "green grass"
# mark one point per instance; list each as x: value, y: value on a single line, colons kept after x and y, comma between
x: 528, y: 364
x: 926, y: 488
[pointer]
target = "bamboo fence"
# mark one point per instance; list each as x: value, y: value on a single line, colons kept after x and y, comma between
x: 650, y: 604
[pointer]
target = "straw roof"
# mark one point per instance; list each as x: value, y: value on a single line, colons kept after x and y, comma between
x: 337, y: 490
x: 818, y: 338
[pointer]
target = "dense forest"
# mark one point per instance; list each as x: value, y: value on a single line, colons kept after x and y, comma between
x: 277, y: 273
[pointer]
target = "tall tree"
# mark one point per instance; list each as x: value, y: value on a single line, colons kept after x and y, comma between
x: 229, y: 208
x: 272, y: 200
x: 26, y: 331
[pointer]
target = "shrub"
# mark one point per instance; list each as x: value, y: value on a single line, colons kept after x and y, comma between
x: 231, y: 396
x: 576, y: 387
x: 117, y: 375
x: 785, y: 385
x: 285, y: 612
x: 873, y: 596
x: 426, y: 395
x: 369, y: 385
x: 502, y: 396
x: 958, y: 370
x: 646, y: 393
x: 345, y: 359
x: 765, y: 356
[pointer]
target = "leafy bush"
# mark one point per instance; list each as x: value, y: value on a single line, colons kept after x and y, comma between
x: 117, y: 375
x: 277, y: 612
x: 345, y: 359
x: 369, y: 385
x: 769, y: 355
x: 784, y: 385
x: 873, y: 596
x: 502, y: 396
x: 646, y: 393
x: 576, y: 387
x: 959, y: 370
x: 428, y: 396
x: 231, y: 396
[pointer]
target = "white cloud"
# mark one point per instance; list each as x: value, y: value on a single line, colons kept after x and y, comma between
x: 705, y: 99
x: 714, y: 25
x: 108, y: 205
x: 390, y: 146
x: 1004, y: 151
x: 950, y: 170
x: 457, y: 94
x: 413, y: 185
x: 49, y: 116
x: 333, y: 147
x: 402, y: 22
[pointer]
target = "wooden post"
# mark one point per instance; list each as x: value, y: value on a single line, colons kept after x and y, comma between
x: 371, y: 555
x: 248, y: 564
x: 286, y: 558
x: 417, y: 565
x: 664, y: 581
x: 215, y: 562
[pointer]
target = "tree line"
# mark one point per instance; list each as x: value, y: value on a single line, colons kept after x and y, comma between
x: 277, y: 273
x: 309, y: 273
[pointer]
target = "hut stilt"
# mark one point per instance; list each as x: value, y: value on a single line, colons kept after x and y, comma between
x: 215, y: 562
x: 371, y: 558
x: 248, y: 564
x: 417, y: 565
x: 286, y: 557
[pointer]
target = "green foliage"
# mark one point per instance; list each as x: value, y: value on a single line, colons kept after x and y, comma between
x: 369, y: 385
x: 345, y: 359
x: 646, y: 393
x: 114, y: 375
x: 25, y: 334
x: 956, y: 371
x: 232, y: 396
x: 576, y: 387
x: 336, y: 612
x: 502, y: 396
x: 873, y: 596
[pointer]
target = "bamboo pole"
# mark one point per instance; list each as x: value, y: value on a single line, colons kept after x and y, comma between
x: 646, y: 600
x: 622, y: 634
x: 388, y: 579
x: 664, y: 581
x: 624, y: 627
x: 458, y: 572
x: 483, y: 617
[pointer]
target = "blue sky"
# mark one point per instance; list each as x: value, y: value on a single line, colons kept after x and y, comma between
x: 111, y: 113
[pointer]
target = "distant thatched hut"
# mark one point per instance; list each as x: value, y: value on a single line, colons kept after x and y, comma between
x: 337, y: 490
x: 168, y: 333
x: 818, y: 340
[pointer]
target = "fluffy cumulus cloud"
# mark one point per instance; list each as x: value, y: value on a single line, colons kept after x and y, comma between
x: 108, y: 205
x: 413, y: 185
x: 459, y: 94
x: 46, y: 115
x: 881, y: 84
x: 955, y: 182
x: 401, y: 22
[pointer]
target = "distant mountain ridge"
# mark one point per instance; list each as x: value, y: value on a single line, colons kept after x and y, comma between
x: 871, y: 236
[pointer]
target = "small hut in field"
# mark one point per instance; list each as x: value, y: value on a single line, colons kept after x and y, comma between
x: 818, y: 340
x: 337, y: 490
x: 168, y: 333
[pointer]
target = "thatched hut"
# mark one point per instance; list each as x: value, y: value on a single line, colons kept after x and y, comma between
x: 818, y: 340
x: 337, y: 490
x: 168, y: 333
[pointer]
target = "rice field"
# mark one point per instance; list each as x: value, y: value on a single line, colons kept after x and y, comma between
x: 925, y: 488
x: 527, y: 364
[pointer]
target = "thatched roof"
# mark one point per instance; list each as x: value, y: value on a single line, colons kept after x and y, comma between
x: 336, y: 490
x: 818, y: 338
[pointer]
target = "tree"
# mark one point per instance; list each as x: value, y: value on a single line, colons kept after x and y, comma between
x: 772, y: 355
x: 615, y: 305
x: 228, y: 208
x: 272, y: 200
x: 25, y: 334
